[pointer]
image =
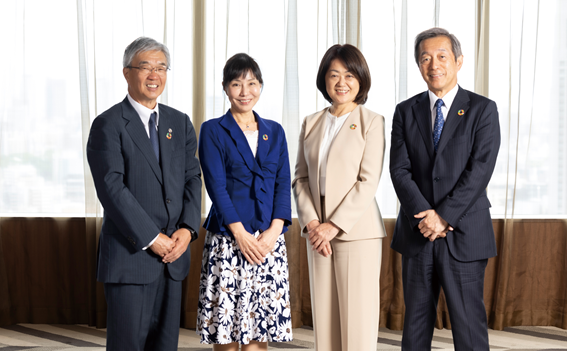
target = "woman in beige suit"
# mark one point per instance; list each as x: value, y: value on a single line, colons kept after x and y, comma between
x: 339, y: 163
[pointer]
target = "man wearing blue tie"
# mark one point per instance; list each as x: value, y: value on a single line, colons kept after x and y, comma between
x: 444, y: 147
x: 142, y: 158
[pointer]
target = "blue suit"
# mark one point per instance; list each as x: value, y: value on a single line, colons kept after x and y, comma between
x: 452, y: 182
x: 141, y: 198
x: 244, y: 188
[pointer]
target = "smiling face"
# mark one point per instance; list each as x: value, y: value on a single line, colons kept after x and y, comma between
x: 143, y: 87
x: 243, y: 93
x: 438, y: 66
x: 342, y: 86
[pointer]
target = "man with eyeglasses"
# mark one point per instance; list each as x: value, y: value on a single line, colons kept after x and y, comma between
x: 142, y: 158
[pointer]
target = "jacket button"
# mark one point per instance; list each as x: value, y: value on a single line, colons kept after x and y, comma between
x: 163, y: 230
x: 436, y: 179
x: 168, y: 200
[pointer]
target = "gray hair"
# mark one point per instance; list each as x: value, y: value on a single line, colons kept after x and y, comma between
x: 143, y: 44
x: 437, y: 32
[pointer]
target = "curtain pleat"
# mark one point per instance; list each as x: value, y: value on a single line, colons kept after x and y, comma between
x: 48, y: 265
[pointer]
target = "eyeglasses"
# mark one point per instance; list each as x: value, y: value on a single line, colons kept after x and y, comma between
x: 147, y: 69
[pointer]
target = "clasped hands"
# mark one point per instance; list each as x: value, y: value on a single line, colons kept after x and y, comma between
x: 432, y: 226
x: 170, y: 249
x: 255, y: 249
x: 320, y: 236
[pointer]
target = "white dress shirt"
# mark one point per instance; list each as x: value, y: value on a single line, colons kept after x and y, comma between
x: 332, y: 126
x: 447, y: 102
x: 145, y: 114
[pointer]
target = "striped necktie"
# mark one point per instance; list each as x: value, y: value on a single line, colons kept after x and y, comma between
x: 438, y: 125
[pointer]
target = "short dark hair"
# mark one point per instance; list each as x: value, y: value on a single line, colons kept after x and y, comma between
x: 354, y: 61
x: 237, y: 66
x: 437, y: 32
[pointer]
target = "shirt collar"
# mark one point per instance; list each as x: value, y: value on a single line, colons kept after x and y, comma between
x: 447, y: 99
x: 143, y: 111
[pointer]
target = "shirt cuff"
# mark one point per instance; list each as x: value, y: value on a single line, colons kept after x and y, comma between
x: 152, y: 242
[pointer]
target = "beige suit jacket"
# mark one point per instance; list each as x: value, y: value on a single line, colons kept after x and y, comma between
x: 354, y: 166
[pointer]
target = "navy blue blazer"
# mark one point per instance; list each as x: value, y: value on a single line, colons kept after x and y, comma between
x: 452, y: 181
x: 244, y: 188
x: 139, y: 197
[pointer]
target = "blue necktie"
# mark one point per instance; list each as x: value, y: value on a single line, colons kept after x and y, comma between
x: 438, y: 125
x: 153, y: 134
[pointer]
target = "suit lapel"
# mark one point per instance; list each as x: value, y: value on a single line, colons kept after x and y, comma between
x: 314, y: 138
x: 166, y: 132
x: 422, y: 115
x: 137, y: 132
x: 343, y: 135
x: 264, y: 139
x: 236, y: 134
x: 455, y: 115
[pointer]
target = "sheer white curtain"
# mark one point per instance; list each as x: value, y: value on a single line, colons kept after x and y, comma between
x: 63, y: 66
x: 528, y: 77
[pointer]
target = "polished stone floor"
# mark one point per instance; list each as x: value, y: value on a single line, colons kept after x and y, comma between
x: 42, y: 337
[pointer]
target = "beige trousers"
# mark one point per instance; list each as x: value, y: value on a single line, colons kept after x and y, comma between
x: 345, y: 295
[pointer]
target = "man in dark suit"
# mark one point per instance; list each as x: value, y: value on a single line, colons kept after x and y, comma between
x: 444, y: 147
x: 142, y: 158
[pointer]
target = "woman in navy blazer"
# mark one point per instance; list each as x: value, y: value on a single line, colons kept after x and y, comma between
x: 244, y: 290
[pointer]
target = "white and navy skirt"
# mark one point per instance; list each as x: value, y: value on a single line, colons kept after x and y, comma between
x: 243, y: 302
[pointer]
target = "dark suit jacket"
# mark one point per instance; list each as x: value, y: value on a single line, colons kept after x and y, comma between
x: 139, y: 197
x: 451, y: 181
x: 244, y: 188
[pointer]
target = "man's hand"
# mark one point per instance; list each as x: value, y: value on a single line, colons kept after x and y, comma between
x: 432, y: 226
x: 163, y: 245
x: 320, y: 237
x: 181, y: 238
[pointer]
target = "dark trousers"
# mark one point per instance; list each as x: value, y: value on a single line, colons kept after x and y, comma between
x: 143, y: 317
x: 463, y: 285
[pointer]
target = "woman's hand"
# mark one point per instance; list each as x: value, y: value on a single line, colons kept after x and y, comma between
x: 312, y: 225
x: 269, y: 237
x: 320, y: 237
x: 250, y: 247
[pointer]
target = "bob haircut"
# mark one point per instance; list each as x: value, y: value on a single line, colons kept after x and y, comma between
x: 237, y: 66
x: 354, y: 61
x: 143, y: 44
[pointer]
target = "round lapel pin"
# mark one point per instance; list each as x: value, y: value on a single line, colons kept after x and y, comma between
x: 353, y: 126
x: 461, y: 112
x: 265, y: 136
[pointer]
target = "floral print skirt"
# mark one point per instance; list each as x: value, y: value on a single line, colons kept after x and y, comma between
x: 241, y: 302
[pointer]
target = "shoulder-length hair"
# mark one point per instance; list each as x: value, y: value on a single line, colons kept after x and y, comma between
x: 356, y: 64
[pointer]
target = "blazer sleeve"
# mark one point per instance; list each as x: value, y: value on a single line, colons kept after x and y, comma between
x: 104, y: 154
x: 191, y: 212
x: 478, y: 171
x: 212, y: 155
x: 282, y: 191
x: 411, y: 199
x: 359, y: 198
x: 306, y: 211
